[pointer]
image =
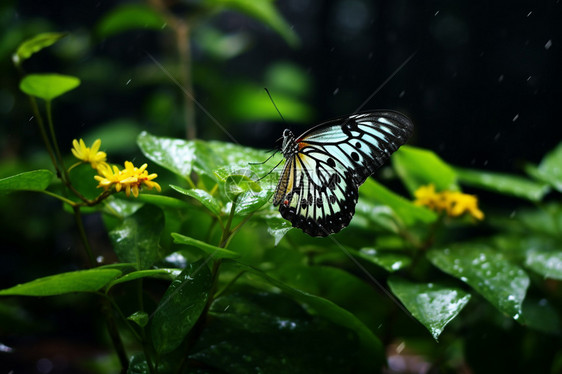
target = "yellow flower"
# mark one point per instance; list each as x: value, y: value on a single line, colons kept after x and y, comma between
x: 130, y: 179
x: 453, y: 203
x: 91, y: 155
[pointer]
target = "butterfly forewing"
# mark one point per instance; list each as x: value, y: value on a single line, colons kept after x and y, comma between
x: 325, y: 166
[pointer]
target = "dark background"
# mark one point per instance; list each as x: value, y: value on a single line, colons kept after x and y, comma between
x: 483, y: 88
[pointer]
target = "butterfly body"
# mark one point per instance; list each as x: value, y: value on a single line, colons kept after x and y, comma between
x: 318, y: 187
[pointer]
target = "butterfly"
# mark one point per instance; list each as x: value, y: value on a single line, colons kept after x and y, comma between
x: 324, y: 167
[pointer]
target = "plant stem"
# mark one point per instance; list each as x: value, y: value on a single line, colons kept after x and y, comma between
x: 82, y: 231
x: 43, y: 132
x: 114, y: 335
x: 54, y: 141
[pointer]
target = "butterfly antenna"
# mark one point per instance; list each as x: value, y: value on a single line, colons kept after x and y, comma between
x: 271, y: 171
x: 273, y: 102
x: 263, y: 162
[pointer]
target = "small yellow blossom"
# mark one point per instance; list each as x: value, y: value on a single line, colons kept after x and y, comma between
x: 453, y: 203
x: 92, y: 155
x: 131, y: 179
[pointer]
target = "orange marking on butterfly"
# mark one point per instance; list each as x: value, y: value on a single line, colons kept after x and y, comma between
x: 302, y: 145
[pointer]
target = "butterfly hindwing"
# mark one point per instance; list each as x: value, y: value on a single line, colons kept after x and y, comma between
x: 318, y: 188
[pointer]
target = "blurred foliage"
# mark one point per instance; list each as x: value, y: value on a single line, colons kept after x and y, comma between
x: 206, y: 276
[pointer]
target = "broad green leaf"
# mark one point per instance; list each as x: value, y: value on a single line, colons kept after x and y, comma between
x: 36, y: 180
x: 501, y: 282
x: 77, y: 281
x: 418, y: 167
x: 405, y: 210
x: 176, y: 155
x: 549, y: 169
x: 140, y: 318
x: 245, y: 159
x: 35, y: 44
x: 48, y: 86
x: 180, y: 307
x: 137, y: 239
x: 263, y: 11
x: 205, y: 198
x: 273, y: 334
x: 179, y: 156
x: 389, y: 260
x: 545, y: 262
x: 277, y: 226
x: 167, y: 274
x: 503, y: 183
x: 289, y: 78
x: 433, y: 304
x: 129, y: 17
x: 250, y: 201
x: 370, y: 344
x: 215, y: 252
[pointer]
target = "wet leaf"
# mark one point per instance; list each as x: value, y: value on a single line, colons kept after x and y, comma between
x: 211, y: 250
x: 405, y: 210
x: 542, y: 316
x: 545, y: 262
x: 176, y: 155
x: 277, y: 227
x: 137, y: 238
x: 35, y: 44
x: 36, y: 180
x: 180, y: 307
x: 205, y: 198
x: 48, y: 86
x: 167, y: 274
x: 140, y: 318
x: 503, y: 183
x: 369, y: 343
x: 433, y: 304
x: 271, y: 333
x: 77, y: 281
x: 389, y: 260
x: 487, y: 271
x: 417, y: 167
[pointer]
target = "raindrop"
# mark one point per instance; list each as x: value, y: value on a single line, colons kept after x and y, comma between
x: 529, y: 14
x: 129, y: 81
x: 464, y: 279
x: 511, y: 298
x: 512, y: 215
x: 501, y: 77
x: 515, y: 118
x: 496, y: 137
x: 99, y: 259
x: 516, y: 316
x: 548, y: 44
x: 400, y: 347
x: 336, y: 91
x: 31, y: 118
x: 436, y: 13
x: 401, y: 95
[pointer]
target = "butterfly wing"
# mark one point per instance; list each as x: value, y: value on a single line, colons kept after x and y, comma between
x: 318, y: 188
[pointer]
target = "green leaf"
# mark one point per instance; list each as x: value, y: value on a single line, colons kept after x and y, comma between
x: 389, y: 260
x: 417, y: 167
x: 180, y: 307
x: 48, y: 86
x: 205, y: 198
x: 140, y: 318
x: 211, y: 250
x: 162, y: 201
x: 542, y: 316
x: 487, y: 271
x: 545, y: 262
x: 137, y: 239
x: 549, y: 170
x: 433, y: 304
x: 503, y: 183
x: 405, y: 210
x: 129, y: 17
x: 35, y: 44
x: 36, y: 180
x: 273, y: 334
x: 179, y: 156
x: 370, y: 344
x: 263, y: 11
x: 82, y: 178
x: 77, y: 281
x: 167, y: 274
x: 277, y: 227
